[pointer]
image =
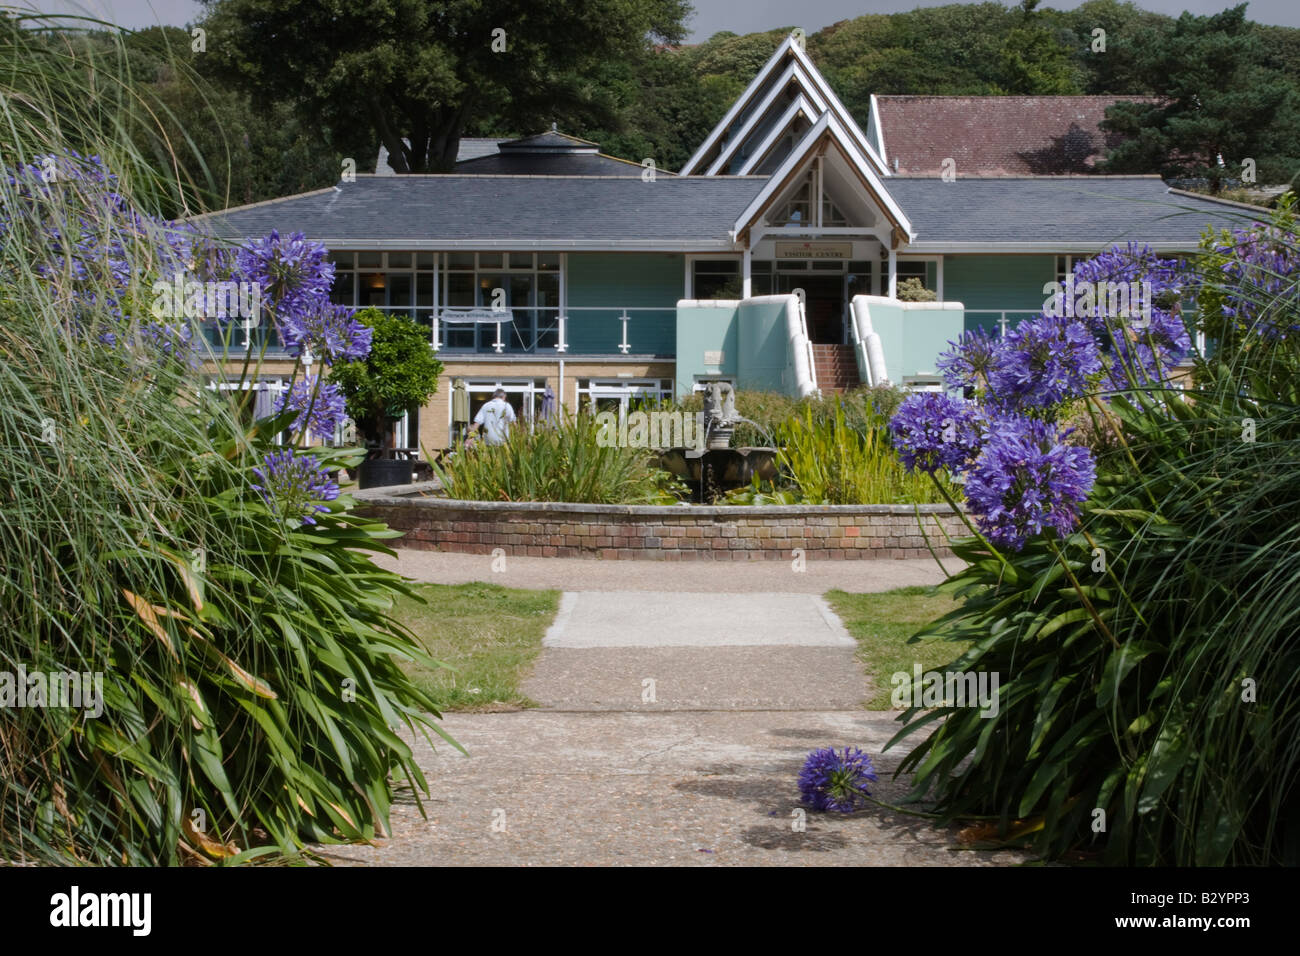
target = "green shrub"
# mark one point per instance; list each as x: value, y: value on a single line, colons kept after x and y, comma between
x: 247, y: 665
x: 557, y: 462
x: 1148, y: 660
x: 400, y: 372
x: 912, y: 289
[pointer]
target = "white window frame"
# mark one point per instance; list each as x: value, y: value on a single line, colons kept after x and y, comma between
x: 691, y: 259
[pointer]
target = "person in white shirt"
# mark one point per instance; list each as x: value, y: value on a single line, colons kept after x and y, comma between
x: 495, y: 418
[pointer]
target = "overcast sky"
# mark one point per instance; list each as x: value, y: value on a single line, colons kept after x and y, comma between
x: 710, y: 15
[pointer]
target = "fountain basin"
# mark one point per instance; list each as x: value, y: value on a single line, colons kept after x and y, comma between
x: 726, y: 467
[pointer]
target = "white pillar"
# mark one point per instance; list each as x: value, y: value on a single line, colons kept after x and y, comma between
x: 893, y: 274
x: 747, y: 283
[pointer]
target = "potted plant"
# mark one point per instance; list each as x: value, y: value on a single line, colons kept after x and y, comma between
x: 401, y: 371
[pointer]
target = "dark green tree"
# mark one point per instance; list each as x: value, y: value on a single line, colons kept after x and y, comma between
x: 1034, y: 60
x: 1220, y: 104
x: 415, y: 74
x: 400, y: 372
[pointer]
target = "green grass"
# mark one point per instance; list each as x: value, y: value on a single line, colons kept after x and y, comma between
x: 882, y: 623
x: 486, y: 634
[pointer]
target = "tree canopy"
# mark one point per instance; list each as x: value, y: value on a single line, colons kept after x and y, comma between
x: 415, y: 75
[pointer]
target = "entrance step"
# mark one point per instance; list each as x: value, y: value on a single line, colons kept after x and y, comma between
x: 837, y: 368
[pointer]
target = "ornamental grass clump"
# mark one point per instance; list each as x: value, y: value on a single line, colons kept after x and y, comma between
x: 829, y: 460
x: 156, y: 536
x: 564, y: 460
x: 1136, y: 596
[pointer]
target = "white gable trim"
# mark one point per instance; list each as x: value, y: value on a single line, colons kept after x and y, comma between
x: 800, y: 105
x: 874, y: 125
x: 689, y: 167
x: 816, y: 106
x: 803, y: 154
x: 816, y: 88
x: 841, y: 112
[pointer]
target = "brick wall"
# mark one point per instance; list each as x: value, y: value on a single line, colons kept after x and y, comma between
x: 658, y: 532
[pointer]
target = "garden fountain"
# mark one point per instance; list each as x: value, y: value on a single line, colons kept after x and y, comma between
x: 714, y: 466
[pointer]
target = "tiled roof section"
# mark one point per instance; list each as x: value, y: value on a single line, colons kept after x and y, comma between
x: 551, y: 140
x: 470, y: 147
x: 1061, y: 209
x: 996, y: 135
x: 531, y: 210
x: 547, y: 163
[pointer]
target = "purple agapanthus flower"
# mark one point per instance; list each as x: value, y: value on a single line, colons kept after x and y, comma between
x: 320, y: 405
x: 1145, y: 345
x: 970, y: 360
x: 1262, y: 281
x: 832, y: 780
x: 293, y: 274
x: 293, y: 486
x: 329, y: 332
x: 1027, y: 479
x: 1043, y: 362
x: 932, y: 430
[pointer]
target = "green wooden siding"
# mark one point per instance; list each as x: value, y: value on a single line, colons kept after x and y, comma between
x: 997, y: 282
x: 624, y: 280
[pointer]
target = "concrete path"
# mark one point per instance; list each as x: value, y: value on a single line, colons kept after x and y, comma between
x: 672, y: 727
x: 668, y: 619
x: 673, y: 789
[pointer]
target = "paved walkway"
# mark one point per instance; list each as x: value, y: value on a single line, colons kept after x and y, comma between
x: 672, y: 728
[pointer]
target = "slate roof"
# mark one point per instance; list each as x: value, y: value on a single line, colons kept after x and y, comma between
x: 547, y: 163
x: 996, y: 135
x: 551, y: 153
x: 550, y: 140
x: 697, y: 213
x: 470, y: 147
x: 1070, y: 210
x: 520, y: 212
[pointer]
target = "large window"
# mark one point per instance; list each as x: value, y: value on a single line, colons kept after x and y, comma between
x: 399, y: 283
x: 623, y: 395
x: 716, y: 279
x: 525, y: 285
x: 523, y: 394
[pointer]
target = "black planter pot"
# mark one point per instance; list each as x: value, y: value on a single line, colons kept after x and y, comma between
x: 382, y: 472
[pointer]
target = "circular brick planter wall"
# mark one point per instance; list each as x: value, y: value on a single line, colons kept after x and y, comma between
x: 660, y: 532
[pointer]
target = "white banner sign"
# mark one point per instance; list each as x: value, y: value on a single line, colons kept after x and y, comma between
x: 814, y: 250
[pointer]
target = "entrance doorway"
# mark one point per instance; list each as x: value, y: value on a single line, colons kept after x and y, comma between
x: 824, y: 298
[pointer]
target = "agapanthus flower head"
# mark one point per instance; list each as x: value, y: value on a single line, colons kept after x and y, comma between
x: 1043, y: 362
x: 836, y: 780
x: 294, y: 486
x: 329, y: 332
x: 293, y: 274
x: 320, y: 405
x: 969, y: 360
x: 1262, y: 281
x: 932, y: 430
x: 1027, y: 479
x: 1143, y: 347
